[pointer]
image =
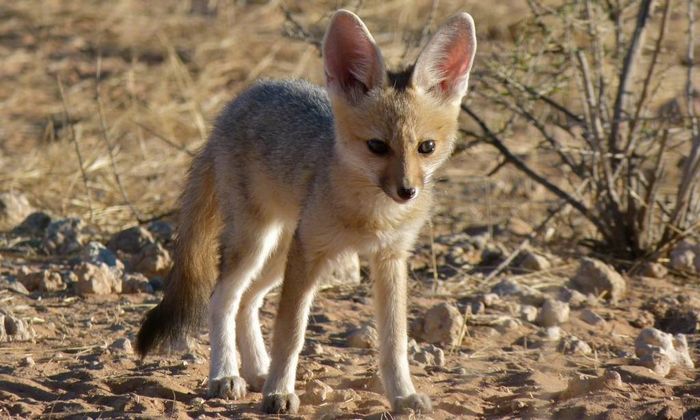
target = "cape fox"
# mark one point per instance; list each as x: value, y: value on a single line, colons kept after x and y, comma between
x: 294, y: 177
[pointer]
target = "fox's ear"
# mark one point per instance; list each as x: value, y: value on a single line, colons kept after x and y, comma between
x: 443, y: 66
x: 352, y: 61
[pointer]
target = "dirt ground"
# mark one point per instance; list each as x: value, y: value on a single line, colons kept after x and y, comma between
x: 165, y: 72
x: 501, y: 370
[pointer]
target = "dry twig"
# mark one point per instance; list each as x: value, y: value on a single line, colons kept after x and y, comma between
x: 74, y: 139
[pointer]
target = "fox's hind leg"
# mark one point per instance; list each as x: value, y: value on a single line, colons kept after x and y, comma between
x: 255, y: 361
x: 247, y: 244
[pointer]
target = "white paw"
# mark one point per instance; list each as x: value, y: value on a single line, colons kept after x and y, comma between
x: 414, y: 403
x: 280, y: 404
x: 229, y: 387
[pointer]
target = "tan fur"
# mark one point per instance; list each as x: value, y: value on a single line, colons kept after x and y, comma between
x: 297, y: 189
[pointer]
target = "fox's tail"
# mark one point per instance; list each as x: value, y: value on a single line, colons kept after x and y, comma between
x: 192, y: 278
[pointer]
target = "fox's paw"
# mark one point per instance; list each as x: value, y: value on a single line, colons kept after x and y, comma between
x: 280, y: 404
x: 230, y: 387
x: 414, y: 403
x: 256, y: 382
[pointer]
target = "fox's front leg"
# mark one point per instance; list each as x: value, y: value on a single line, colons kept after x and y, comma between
x: 298, y: 289
x: 389, y: 272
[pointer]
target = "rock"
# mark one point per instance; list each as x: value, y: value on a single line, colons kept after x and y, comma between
x: 316, y: 393
x: 136, y: 283
x: 14, y: 329
x: 582, y: 386
x: 506, y: 324
x: 346, y: 271
x: 313, y: 348
x: 11, y: 283
x: 660, y: 363
x: 365, y: 337
x: 438, y: 355
x: 442, y: 324
x: 551, y: 333
x: 96, y: 253
x: 33, y: 225
x: 553, y: 312
x: 686, y: 257
x: 652, y: 341
x: 161, y: 230
x: 530, y: 261
x: 476, y: 307
x: 682, y: 319
x: 121, y: 346
x: 42, y: 280
x: 639, y: 375
x: 96, y: 279
x: 153, y: 260
x: 643, y: 319
x: 574, y: 345
x: 131, y: 240
x: 14, y: 207
x: 490, y: 299
x: 576, y: 299
x: 653, y: 269
x: 590, y: 317
x: 413, y: 346
x: 64, y: 236
x: 429, y: 355
x: 193, y: 358
x: 525, y: 294
x: 528, y: 313
x: 69, y: 278
x: 594, y: 276
x: 27, y: 361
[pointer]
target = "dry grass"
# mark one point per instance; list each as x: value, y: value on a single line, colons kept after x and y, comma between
x: 166, y: 69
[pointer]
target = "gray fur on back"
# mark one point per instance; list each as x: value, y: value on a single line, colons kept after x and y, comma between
x: 288, y: 122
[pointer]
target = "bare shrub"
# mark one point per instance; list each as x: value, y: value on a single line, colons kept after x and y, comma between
x: 584, y: 82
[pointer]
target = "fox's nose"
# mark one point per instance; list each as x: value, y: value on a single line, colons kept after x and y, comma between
x: 406, y: 193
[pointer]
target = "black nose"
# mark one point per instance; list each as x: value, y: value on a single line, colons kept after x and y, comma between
x: 406, y: 193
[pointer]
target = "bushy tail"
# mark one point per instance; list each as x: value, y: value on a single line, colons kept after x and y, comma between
x: 192, y: 278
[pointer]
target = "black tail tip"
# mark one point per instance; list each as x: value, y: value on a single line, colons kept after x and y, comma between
x: 151, y: 334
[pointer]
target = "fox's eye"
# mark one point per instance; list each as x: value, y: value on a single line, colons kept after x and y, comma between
x: 427, y: 147
x: 378, y: 147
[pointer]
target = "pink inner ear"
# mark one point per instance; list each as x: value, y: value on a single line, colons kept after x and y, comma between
x: 455, y: 64
x: 349, y: 56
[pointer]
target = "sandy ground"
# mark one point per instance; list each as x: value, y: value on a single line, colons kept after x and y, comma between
x: 502, y: 369
x: 166, y: 69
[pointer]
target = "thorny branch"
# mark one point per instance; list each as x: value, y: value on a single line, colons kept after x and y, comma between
x: 624, y: 150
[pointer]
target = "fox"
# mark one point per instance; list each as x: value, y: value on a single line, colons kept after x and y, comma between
x: 295, y: 177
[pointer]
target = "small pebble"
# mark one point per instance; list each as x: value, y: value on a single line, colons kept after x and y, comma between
x: 528, y: 313
x: 122, y: 345
x: 365, y: 337
x: 591, y: 317
x: 551, y: 333
x: 553, y: 312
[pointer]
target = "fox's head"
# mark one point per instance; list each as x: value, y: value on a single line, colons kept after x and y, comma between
x: 396, y: 129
